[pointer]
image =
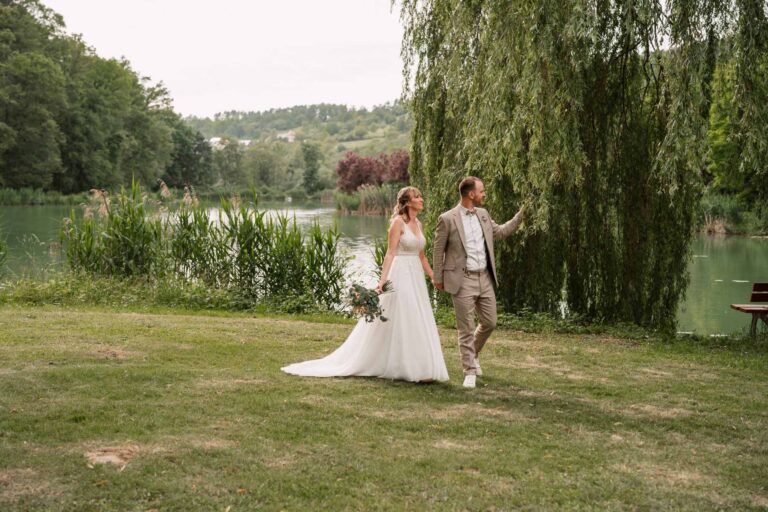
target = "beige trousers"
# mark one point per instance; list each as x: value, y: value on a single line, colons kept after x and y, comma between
x: 475, y: 297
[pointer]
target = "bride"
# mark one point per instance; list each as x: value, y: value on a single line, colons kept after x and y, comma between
x: 407, y: 346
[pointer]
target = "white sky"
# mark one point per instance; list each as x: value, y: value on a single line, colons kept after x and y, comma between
x: 249, y: 55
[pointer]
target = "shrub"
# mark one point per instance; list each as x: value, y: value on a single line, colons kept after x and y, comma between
x: 249, y: 255
x: 355, y: 171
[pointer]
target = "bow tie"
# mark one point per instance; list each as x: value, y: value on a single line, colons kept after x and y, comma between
x: 470, y: 212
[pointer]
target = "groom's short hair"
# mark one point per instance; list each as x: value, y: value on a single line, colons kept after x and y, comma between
x: 467, y: 185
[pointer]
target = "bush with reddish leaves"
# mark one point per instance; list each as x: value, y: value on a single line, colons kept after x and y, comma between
x: 354, y: 171
x: 397, y: 167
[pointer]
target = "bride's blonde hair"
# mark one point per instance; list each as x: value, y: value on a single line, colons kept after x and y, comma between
x: 404, y: 197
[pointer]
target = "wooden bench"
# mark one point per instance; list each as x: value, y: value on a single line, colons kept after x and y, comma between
x: 758, y: 311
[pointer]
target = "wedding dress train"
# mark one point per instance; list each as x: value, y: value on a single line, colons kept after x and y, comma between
x: 406, y: 346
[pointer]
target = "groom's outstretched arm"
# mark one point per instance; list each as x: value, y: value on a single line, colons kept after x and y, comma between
x: 438, y: 250
x: 508, y: 227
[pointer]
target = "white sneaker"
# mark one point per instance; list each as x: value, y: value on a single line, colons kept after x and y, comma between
x: 470, y: 381
x: 478, y: 370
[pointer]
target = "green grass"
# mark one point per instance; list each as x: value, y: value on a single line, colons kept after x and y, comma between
x: 197, y: 415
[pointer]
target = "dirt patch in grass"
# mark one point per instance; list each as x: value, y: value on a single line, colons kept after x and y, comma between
x: 121, y: 455
x: 117, y: 455
x: 16, y: 484
x: 693, y: 481
x: 447, y: 444
x: 215, y: 444
x: 658, y: 474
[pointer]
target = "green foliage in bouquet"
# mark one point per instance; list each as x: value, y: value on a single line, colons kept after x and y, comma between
x: 364, y: 302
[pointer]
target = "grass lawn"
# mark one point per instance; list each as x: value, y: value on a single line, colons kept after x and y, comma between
x: 108, y: 411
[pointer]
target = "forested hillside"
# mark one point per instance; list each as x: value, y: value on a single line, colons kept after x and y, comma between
x: 71, y: 120
x: 336, y: 128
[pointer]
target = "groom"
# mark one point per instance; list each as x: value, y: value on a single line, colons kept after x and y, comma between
x: 464, y: 266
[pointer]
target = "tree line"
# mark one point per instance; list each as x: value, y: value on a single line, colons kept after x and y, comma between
x: 71, y: 120
x: 296, y: 151
x: 339, y: 123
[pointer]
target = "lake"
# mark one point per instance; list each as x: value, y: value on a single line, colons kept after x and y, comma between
x: 722, y: 268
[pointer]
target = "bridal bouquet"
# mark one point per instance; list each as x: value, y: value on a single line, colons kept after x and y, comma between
x: 364, y: 302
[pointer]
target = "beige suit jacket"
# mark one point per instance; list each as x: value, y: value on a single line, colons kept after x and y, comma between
x: 449, y: 249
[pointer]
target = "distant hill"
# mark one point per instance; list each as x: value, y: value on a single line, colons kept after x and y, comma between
x: 338, y: 128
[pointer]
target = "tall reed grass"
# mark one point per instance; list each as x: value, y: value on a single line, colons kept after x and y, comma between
x: 368, y: 200
x: 248, y: 253
x: 723, y: 213
x: 347, y: 203
x: 121, y: 239
x: 377, y: 200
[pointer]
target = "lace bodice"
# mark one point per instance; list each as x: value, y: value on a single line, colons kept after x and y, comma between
x: 410, y: 243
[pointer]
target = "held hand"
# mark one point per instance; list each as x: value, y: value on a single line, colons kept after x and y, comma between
x: 380, y: 287
x: 439, y: 286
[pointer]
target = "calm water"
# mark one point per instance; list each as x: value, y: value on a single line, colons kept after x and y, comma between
x: 32, y: 235
x: 722, y: 268
x: 722, y: 272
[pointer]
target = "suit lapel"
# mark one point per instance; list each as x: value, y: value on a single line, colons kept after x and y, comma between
x: 460, y: 226
x: 485, y: 224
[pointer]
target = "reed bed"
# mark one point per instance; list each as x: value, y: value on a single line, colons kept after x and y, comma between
x: 377, y: 200
x: 368, y: 200
x: 251, y: 255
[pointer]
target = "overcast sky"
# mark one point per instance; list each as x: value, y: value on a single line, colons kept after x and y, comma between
x: 249, y: 54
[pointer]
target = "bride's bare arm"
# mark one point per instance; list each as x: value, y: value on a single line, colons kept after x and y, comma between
x: 393, y: 237
x: 425, y: 265
x: 423, y: 257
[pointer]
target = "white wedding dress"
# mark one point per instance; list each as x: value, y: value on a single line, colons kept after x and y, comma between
x: 406, y: 346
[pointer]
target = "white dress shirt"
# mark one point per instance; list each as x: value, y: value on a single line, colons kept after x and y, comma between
x: 476, y: 258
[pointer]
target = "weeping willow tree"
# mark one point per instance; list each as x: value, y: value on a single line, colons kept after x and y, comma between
x: 593, y: 112
x: 751, y: 95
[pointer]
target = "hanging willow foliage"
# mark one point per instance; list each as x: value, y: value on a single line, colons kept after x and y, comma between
x: 592, y: 111
x: 751, y: 94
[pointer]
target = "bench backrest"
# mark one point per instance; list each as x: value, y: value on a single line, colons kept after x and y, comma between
x: 759, y: 292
